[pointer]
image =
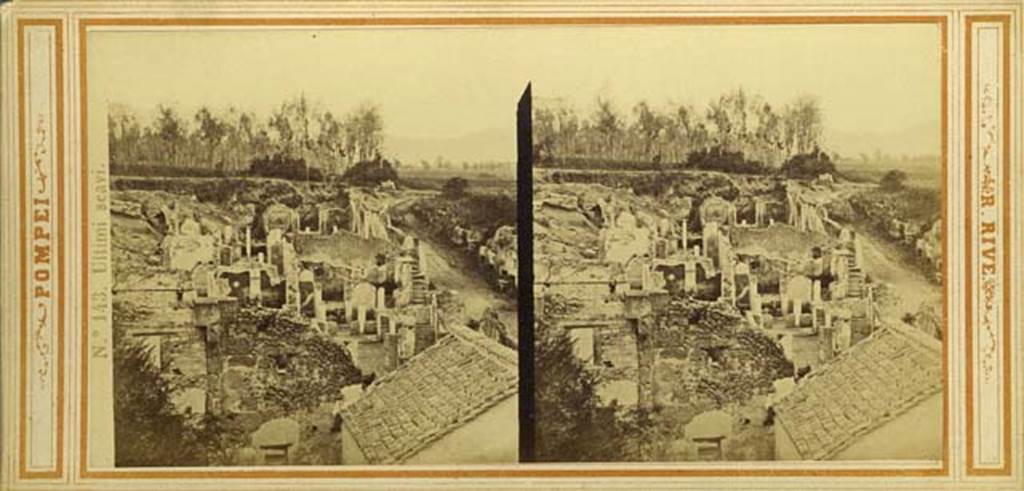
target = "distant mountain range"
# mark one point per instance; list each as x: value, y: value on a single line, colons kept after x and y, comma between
x: 486, y: 145
x: 916, y: 140
x: 499, y: 145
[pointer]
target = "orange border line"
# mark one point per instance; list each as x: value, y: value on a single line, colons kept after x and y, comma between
x: 511, y: 21
x: 944, y: 158
x: 1007, y: 467
x: 58, y: 471
x: 941, y: 21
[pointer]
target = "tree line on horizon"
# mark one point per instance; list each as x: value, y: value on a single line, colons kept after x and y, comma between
x: 736, y: 132
x: 298, y: 140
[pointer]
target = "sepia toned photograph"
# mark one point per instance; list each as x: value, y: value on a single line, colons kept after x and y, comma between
x: 738, y: 246
x: 484, y: 244
x: 313, y: 258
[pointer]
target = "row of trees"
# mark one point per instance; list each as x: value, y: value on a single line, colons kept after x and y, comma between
x: 735, y: 123
x: 229, y: 141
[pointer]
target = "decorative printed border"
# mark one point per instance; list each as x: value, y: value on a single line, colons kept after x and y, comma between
x: 522, y: 470
x: 985, y: 222
x: 41, y: 243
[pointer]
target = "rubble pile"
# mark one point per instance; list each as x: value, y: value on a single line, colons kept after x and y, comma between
x: 708, y: 357
x: 703, y: 296
x: 684, y: 183
x: 271, y: 364
x: 262, y: 304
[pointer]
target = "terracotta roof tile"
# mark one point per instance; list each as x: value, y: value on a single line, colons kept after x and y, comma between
x: 432, y: 394
x: 881, y: 377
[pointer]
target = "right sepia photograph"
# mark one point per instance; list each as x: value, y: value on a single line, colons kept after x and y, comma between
x: 738, y: 244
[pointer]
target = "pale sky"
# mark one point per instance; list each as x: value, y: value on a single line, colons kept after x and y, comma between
x: 877, y: 85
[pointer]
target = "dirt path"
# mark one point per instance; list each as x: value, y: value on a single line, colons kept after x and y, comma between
x: 907, y: 286
x: 452, y: 270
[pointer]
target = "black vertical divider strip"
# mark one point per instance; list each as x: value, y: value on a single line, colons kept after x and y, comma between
x: 524, y: 234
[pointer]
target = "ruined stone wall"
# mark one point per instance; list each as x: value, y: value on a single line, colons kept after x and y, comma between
x: 271, y: 364
x: 617, y: 352
x: 595, y: 290
x: 700, y: 355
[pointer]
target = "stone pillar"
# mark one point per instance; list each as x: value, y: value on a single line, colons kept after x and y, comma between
x: 661, y: 248
x: 379, y: 308
x: 755, y: 300
x: 354, y: 223
x: 361, y: 318
x: 433, y: 313
x: 689, y: 276
x: 255, y: 285
x: 307, y: 290
x: 391, y: 359
x: 421, y: 256
x: 871, y: 307
x: 819, y: 316
x: 682, y: 234
x: 709, y: 236
x: 728, y: 282
x: 319, y: 308
x: 792, y: 209
x: 858, y: 258
x: 826, y: 350
x: 842, y: 332
x: 727, y: 269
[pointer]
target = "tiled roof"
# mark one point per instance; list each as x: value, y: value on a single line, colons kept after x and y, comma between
x: 437, y: 391
x: 879, y: 378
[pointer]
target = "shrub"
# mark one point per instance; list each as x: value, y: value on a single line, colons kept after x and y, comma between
x: 808, y: 165
x: 283, y: 166
x: 370, y: 173
x: 455, y: 188
x: 893, y: 180
x: 719, y: 159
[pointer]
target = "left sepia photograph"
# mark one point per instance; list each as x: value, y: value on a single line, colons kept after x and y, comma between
x: 312, y: 247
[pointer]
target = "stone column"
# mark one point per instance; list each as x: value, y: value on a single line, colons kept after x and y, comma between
x: 421, y: 256
x: 379, y: 307
x: 361, y: 318
x: 755, y: 299
x: 826, y: 341
x: 255, y: 285
x: 689, y: 276
x: 391, y: 359
x: 682, y: 234
x: 798, y: 308
x: 319, y: 309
